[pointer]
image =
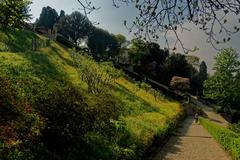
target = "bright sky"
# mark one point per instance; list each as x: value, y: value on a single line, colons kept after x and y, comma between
x: 112, y: 19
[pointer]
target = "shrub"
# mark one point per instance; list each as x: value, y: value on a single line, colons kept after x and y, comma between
x: 227, y: 138
x: 98, y: 77
x: 180, y: 83
x: 66, y: 119
x: 235, y: 127
x: 102, y: 109
x: 119, y: 145
x: 20, y: 125
x: 70, y: 116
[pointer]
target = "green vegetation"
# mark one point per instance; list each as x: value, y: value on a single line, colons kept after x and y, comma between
x: 49, y: 110
x: 13, y: 13
x: 223, y: 86
x: 76, y: 26
x: 235, y: 127
x: 229, y: 139
x: 146, y: 58
x: 57, y: 103
x: 48, y: 18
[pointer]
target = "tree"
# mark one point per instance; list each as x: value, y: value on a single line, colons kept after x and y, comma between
x: 167, y: 16
x: 137, y: 51
x: 147, y: 57
x: 143, y: 53
x: 13, y: 13
x: 223, y: 85
x: 48, y: 17
x: 97, y: 41
x: 122, y: 43
x: 156, y: 53
x: 175, y: 65
x: 198, y: 79
x: 203, y: 75
x: 102, y: 42
x: 122, y: 40
x: 113, y: 45
x: 62, y: 14
x: 75, y: 26
x: 193, y: 60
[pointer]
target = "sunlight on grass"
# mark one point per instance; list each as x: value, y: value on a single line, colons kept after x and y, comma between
x: 149, y: 117
x: 170, y: 108
x: 145, y: 116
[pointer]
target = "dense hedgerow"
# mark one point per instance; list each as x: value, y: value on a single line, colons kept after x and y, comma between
x: 228, y: 139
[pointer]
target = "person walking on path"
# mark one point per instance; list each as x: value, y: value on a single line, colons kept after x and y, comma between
x: 196, y: 116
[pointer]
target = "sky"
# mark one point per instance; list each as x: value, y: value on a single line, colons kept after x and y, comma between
x: 111, y: 19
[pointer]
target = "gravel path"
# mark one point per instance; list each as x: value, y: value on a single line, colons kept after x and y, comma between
x: 212, y: 115
x: 191, y: 142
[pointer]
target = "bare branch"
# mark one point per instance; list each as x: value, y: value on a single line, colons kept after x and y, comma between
x: 159, y: 18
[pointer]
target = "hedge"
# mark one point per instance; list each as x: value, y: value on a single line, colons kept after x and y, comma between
x: 228, y: 139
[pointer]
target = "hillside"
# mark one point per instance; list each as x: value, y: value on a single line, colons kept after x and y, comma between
x: 50, y: 113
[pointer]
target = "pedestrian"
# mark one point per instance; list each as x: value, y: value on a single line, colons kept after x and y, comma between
x: 196, y: 117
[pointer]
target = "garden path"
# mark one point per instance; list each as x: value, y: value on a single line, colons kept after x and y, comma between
x: 191, y: 142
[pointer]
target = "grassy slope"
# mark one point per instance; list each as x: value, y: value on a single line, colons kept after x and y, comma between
x: 150, y: 116
x: 146, y: 117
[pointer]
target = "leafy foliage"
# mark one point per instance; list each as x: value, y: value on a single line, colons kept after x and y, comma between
x: 103, y: 43
x: 202, y: 75
x: 197, y: 80
x: 151, y: 61
x: 193, y: 60
x: 175, y: 65
x: 137, y: 51
x: 223, y: 85
x: 13, y: 13
x: 235, y: 127
x: 75, y: 26
x: 62, y: 14
x: 147, y: 57
x: 48, y: 17
x: 122, y: 41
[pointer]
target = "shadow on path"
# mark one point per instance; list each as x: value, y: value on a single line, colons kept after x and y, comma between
x: 191, y: 142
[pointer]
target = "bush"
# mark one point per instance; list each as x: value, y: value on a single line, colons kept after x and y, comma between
x: 67, y: 122
x: 56, y: 124
x: 98, y: 77
x: 70, y: 116
x: 20, y: 125
x: 235, y: 127
x: 227, y: 138
x: 180, y: 83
